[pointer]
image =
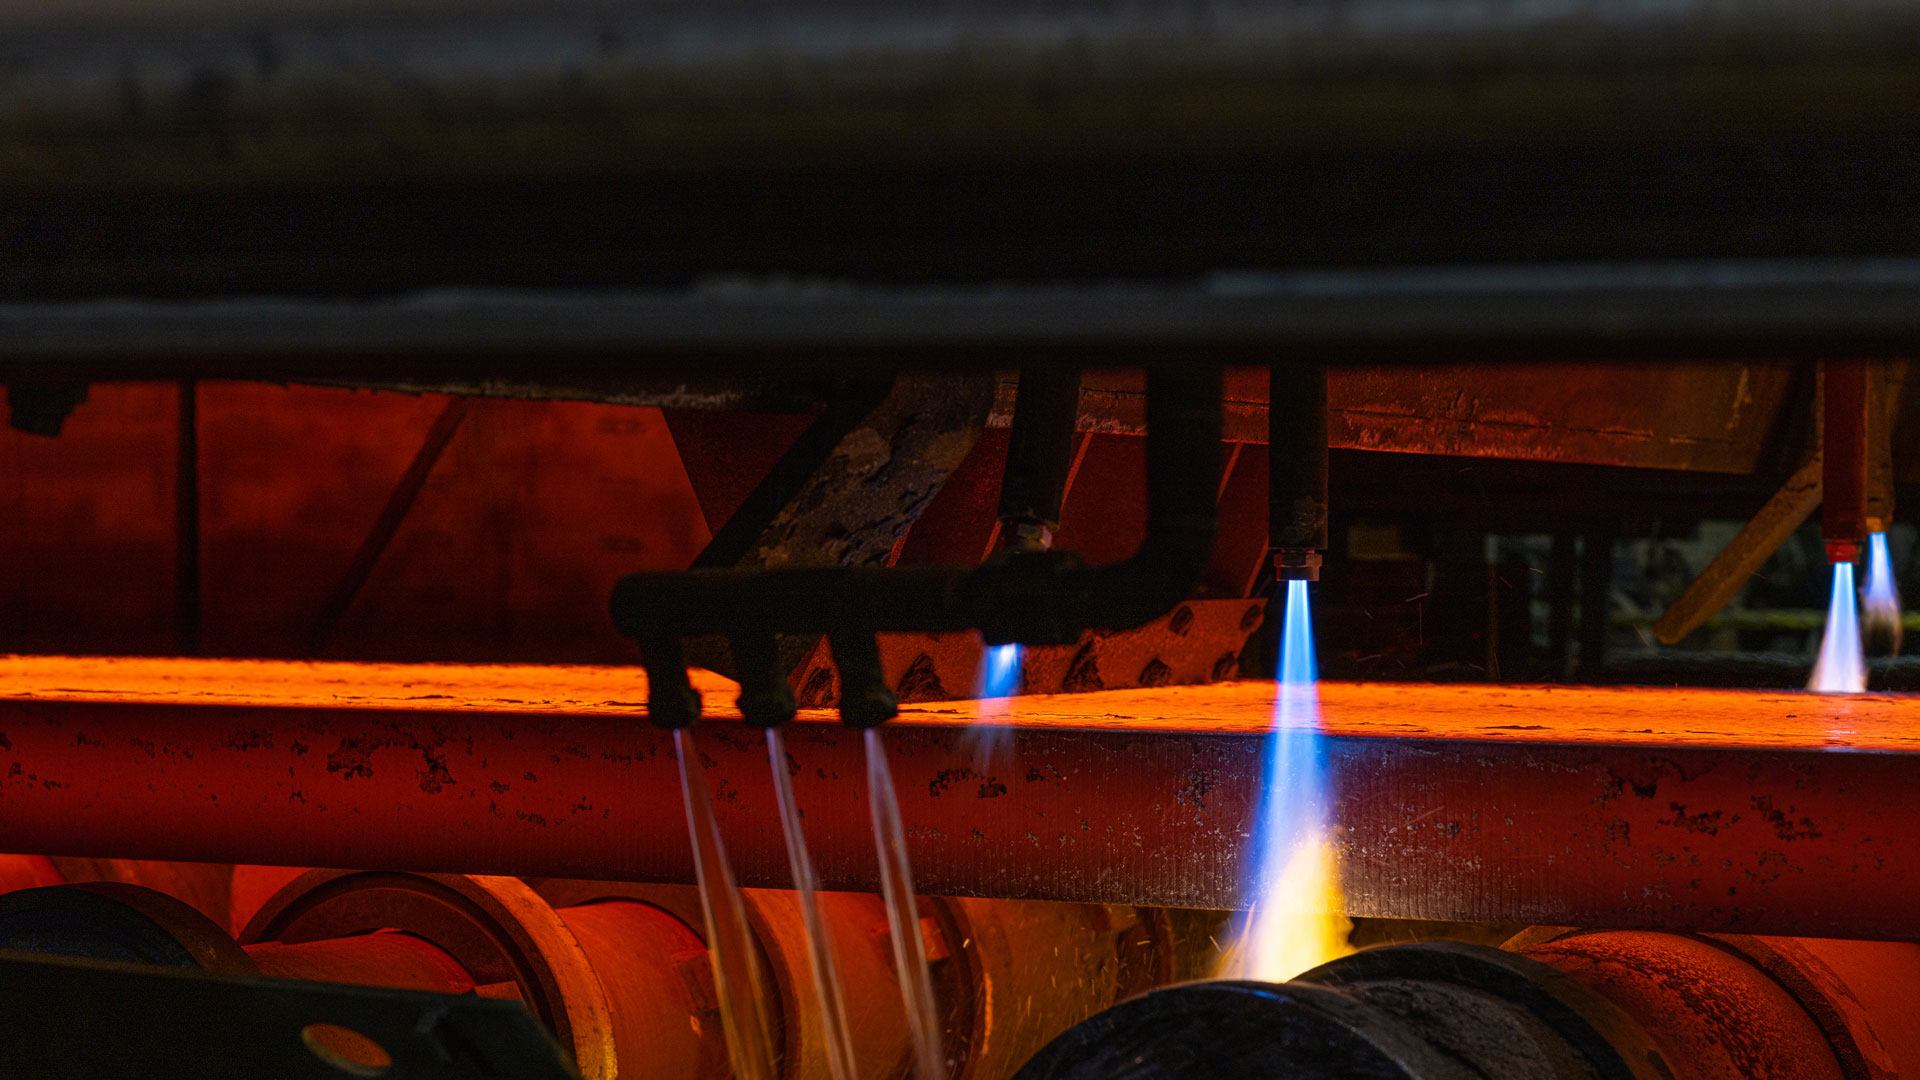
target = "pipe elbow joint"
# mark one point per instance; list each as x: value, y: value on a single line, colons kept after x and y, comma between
x: 1027, y: 598
x: 1154, y: 580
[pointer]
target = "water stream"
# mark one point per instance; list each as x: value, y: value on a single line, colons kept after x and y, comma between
x: 826, y: 974
x: 730, y: 945
x: 903, y: 913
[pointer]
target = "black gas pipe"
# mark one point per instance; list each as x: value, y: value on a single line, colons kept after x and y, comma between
x: 1025, y: 597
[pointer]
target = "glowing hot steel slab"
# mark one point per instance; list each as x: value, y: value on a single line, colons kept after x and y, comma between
x: 1762, y: 812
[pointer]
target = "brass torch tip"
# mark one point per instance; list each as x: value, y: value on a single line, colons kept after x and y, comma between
x: 1839, y: 551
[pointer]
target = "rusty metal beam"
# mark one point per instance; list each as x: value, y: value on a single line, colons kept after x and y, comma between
x: 1703, y: 810
x: 1845, y: 457
x: 1886, y: 384
x: 694, y: 391
x: 848, y: 489
x: 1873, y: 392
x: 1744, y: 555
x: 1711, y: 417
x: 845, y: 496
x: 392, y: 515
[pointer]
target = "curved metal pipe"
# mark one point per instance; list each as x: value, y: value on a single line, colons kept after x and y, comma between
x: 1297, y: 470
x: 1844, y: 458
x: 1032, y: 597
x: 1039, y: 457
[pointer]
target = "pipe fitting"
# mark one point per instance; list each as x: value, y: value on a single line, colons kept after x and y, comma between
x: 1844, y: 457
x: 865, y: 698
x: 766, y: 698
x: 1296, y: 564
x: 1026, y: 535
x: 1297, y: 470
x: 1039, y: 457
x: 1029, y: 597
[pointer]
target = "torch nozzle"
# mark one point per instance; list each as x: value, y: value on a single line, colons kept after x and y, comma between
x: 1296, y: 564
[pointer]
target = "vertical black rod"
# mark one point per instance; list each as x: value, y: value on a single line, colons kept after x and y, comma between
x: 1183, y: 470
x: 766, y: 698
x: 672, y: 702
x: 1844, y: 459
x: 1297, y: 469
x: 186, y: 518
x: 734, y: 540
x: 1039, y: 457
x: 865, y: 698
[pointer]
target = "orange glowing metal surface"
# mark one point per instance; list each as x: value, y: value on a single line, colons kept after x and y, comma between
x: 1750, y: 812
x: 576, y: 690
x: 1612, y: 715
x: 1644, y: 716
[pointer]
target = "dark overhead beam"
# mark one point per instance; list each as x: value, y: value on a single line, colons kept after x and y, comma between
x: 1744, y: 309
x: 344, y: 148
x: 186, y: 93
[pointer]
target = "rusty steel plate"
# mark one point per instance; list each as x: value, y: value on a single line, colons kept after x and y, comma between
x: 1708, y: 417
x: 1759, y: 812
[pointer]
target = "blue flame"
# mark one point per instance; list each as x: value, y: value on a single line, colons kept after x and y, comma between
x: 1881, y: 594
x: 1293, y: 802
x: 1297, y: 665
x: 1842, y: 666
x: 988, y: 743
x: 1000, y: 671
x: 1291, y: 878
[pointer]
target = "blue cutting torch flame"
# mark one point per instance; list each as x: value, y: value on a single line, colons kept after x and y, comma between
x: 1882, y: 594
x: 1842, y: 666
x: 1000, y: 671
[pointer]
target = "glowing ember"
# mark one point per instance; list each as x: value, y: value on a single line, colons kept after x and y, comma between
x: 1296, y: 920
x: 1880, y: 614
x: 1841, y: 668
